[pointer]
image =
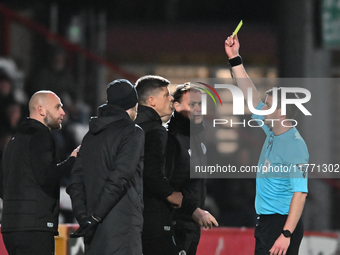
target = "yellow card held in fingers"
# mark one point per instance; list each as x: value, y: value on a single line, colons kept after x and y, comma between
x: 237, y: 28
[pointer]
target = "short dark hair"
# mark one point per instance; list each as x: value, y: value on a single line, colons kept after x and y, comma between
x: 147, y: 85
x: 183, y: 89
x: 291, y: 109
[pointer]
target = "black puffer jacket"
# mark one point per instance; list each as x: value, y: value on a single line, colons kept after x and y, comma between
x: 157, y: 211
x: 30, y: 180
x: 185, y: 149
x: 107, y: 180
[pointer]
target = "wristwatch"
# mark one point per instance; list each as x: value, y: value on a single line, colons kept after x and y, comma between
x: 286, y: 233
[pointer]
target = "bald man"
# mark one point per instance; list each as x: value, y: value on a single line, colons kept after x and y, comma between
x: 30, y: 179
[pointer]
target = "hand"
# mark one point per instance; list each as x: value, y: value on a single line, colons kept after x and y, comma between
x: 232, y: 46
x: 75, y: 151
x: 82, y: 218
x: 87, y: 228
x: 204, y: 218
x: 175, y: 199
x: 280, y: 246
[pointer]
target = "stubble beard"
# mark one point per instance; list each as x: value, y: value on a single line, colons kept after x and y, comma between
x: 51, y: 122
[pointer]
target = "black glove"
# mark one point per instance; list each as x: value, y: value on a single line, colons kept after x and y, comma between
x: 87, y: 228
x: 82, y: 218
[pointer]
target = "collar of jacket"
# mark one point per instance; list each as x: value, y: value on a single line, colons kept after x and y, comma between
x: 147, y: 114
x: 34, y: 122
x: 182, y: 124
x: 106, y: 115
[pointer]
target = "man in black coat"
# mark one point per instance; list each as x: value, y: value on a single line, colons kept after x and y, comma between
x: 106, y: 185
x: 30, y: 179
x: 186, y: 147
x: 155, y: 102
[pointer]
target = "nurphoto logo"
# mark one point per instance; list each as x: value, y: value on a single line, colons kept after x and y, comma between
x: 238, y: 99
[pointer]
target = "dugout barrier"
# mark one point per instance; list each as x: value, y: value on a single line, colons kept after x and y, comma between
x: 218, y: 241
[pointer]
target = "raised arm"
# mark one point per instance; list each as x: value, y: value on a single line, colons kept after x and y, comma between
x: 232, y: 47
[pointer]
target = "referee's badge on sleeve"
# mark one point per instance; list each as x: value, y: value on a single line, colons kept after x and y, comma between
x: 303, y: 169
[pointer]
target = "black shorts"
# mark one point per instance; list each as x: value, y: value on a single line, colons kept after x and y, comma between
x: 269, y: 228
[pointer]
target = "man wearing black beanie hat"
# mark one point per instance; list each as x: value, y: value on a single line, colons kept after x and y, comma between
x: 121, y: 93
x: 155, y: 102
x: 106, y: 185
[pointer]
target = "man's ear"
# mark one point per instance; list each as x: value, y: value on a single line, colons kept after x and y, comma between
x: 41, y: 111
x: 177, y: 106
x: 151, y: 101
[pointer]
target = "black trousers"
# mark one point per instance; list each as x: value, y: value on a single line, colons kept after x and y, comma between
x: 29, y: 243
x: 269, y: 228
x: 188, y: 239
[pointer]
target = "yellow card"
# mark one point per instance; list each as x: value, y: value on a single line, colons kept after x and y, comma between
x: 237, y: 28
